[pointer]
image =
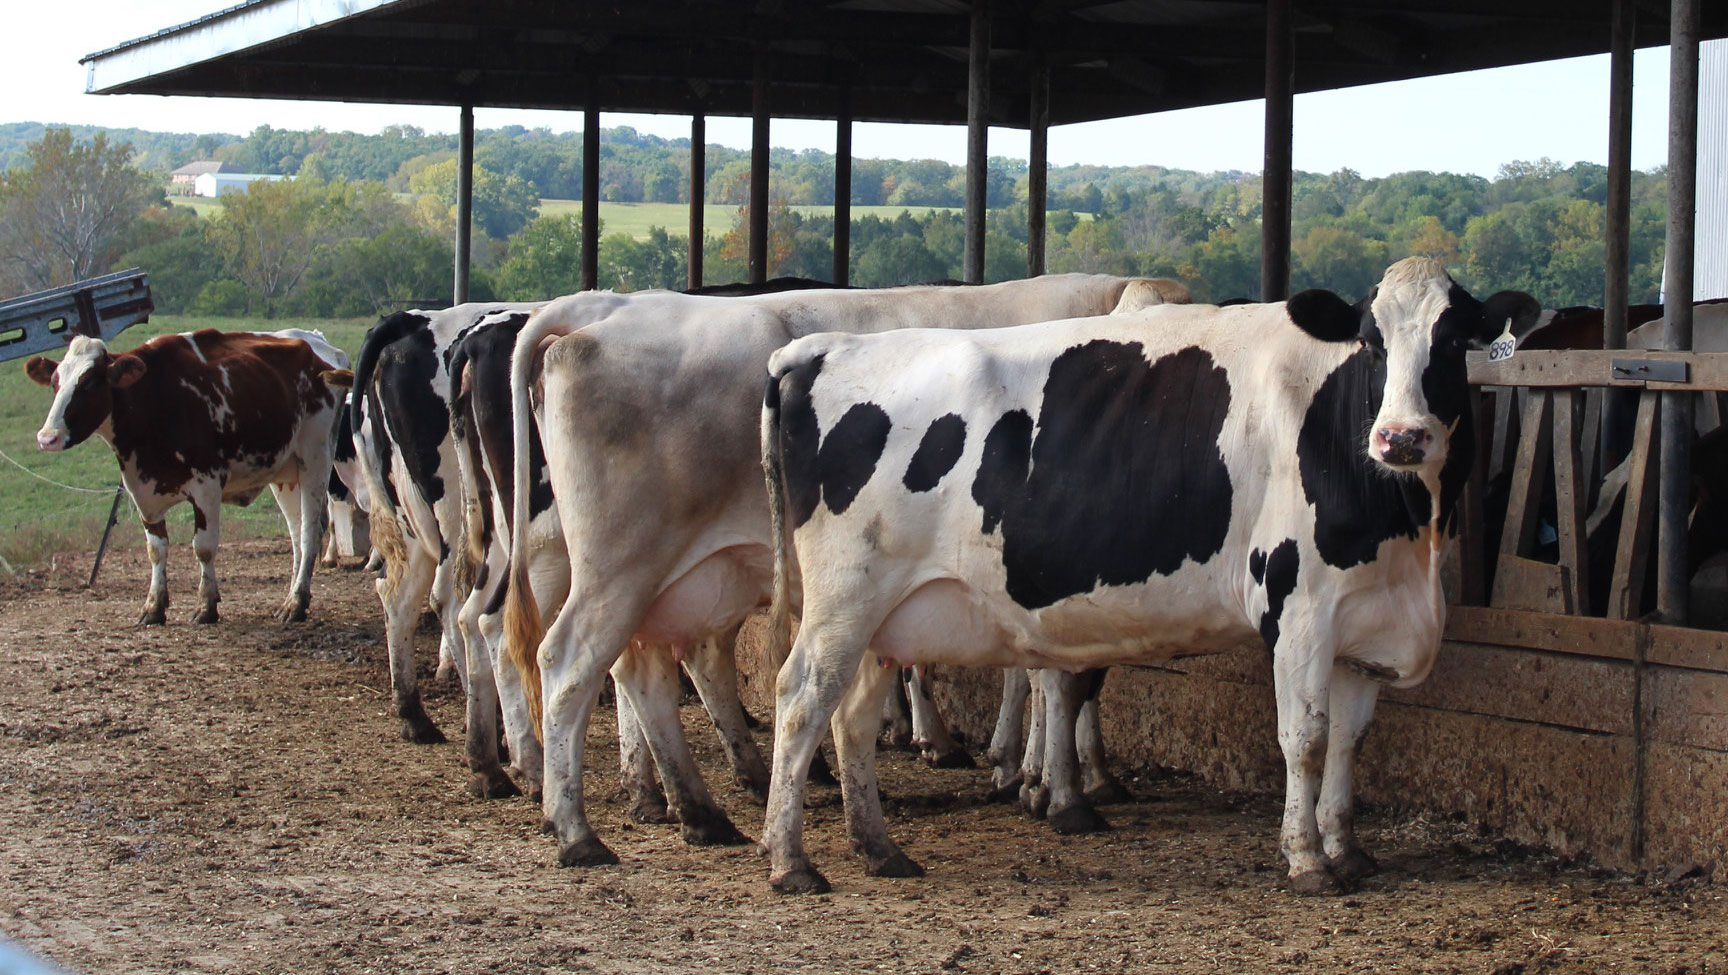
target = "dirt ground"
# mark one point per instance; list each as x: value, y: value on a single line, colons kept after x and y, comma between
x: 235, y: 799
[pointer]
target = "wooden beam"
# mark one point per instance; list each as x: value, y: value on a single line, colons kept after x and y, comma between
x: 1571, y: 496
x: 1637, y: 517
x: 1706, y: 371
x: 464, y: 203
x: 843, y: 191
x: 977, y: 139
x: 698, y: 196
x: 1038, y: 169
x: 1673, y: 581
x: 759, y: 173
x: 591, y: 197
x: 1275, y: 171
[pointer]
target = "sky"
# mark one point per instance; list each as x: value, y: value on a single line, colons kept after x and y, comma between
x: 1467, y: 123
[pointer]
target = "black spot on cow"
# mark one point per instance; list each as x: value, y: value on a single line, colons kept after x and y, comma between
x: 849, y: 454
x: 1124, y: 480
x: 418, y: 418
x: 937, y: 453
x: 1277, y: 573
x: 1003, y: 466
x: 343, y: 438
x: 338, y: 490
x: 486, y: 354
x: 799, y: 438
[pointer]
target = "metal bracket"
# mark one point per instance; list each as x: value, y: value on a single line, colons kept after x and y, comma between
x: 1651, y: 370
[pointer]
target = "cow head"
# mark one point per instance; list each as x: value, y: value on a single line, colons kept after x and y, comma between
x: 1416, y: 325
x: 84, y: 384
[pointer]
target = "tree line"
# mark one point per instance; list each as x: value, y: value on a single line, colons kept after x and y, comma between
x: 365, y: 223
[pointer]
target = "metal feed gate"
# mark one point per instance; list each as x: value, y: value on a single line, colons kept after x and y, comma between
x: 98, y: 307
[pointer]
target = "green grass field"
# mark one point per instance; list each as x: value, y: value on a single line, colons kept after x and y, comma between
x: 38, y: 519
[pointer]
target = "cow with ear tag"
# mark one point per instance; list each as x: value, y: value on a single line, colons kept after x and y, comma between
x: 205, y: 417
x: 1180, y: 480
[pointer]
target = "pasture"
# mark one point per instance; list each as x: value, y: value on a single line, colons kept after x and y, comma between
x: 40, y: 519
x: 234, y: 799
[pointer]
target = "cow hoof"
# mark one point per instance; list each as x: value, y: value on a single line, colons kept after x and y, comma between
x: 801, y: 881
x: 207, y: 615
x: 293, y: 611
x: 1108, y: 792
x: 153, y: 617
x: 492, y: 785
x: 530, y: 786
x: 900, y: 741
x: 1004, y: 788
x: 898, y: 865
x: 421, y: 731
x: 1077, y: 819
x: 713, y: 829
x: 651, y: 811
x: 589, y: 852
x: 1354, y: 864
x: 1034, y: 800
x: 820, y: 773
x: 957, y: 758
x: 1317, y: 883
x: 757, y: 790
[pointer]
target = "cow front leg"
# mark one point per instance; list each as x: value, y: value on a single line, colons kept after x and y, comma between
x: 897, y: 714
x: 1008, y: 740
x: 305, y: 530
x: 207, y: 532
x: 929, y: 732
x: 713, y: 668
x: 1353, y: 697
x: 648, y: 675
x: 1068, y: 811
x: 156, y: 600
x: 636, y: 765
x: 1101, y: 787
x: 1034, y: 794
x: 1301, y: 684
x: 808, y: 689
x: 854, y: 726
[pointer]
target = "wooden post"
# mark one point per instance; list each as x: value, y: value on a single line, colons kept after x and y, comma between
x: 698, y: 195
x: 591, y: 195
x: 464, y: 203
x: 1617, y: 263
x: 1673, y: 581
x: 843, y: 190
x: 759, y: 172
x: 1038, y: 169
x: 977, y: 139
x: 1275, y: 172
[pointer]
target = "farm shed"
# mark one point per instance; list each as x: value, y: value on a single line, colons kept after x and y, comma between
x: 221, y: 184
x: 1592, y: 728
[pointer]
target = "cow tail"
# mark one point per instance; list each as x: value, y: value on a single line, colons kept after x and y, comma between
x: 386, y: 530
x: 522, y: 627
x: 773, y: 470
x: 472, y: 544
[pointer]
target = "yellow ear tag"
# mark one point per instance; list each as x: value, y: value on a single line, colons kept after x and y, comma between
x: 1501, y: 348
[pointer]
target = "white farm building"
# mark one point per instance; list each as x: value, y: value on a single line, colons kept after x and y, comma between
x: 222, y: 184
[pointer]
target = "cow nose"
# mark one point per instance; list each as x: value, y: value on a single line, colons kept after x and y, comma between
x: 48, y: 440
x: 1402, y: 445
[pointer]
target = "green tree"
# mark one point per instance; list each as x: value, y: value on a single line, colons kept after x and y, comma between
x: 628, y: 264
x: 502, y: 204
x: 545, y: 260
x: 179, y: 251
x: 271, y: 235
x: 63, y: 216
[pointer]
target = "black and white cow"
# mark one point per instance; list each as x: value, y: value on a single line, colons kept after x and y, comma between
x: 1187, y: 479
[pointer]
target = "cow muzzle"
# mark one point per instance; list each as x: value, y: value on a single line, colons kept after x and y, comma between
x: 50, y: 439
x: 1402, y: 445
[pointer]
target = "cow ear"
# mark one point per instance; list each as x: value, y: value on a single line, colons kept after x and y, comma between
x: 1516, y: 306
x: 40, y: 370
x: 124, y: 370
x: 1325, y: 316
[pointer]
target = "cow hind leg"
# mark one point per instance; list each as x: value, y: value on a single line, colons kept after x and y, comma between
x: 207, y: 532
x: 713, y: 668
x: 648, y: 675
x: 1034, y: 794
x: 1008, y: 739
x: 1068, y: 811
x: 929, y: 731
x: 854, y: 726
x: 156, y: 600
x: 1352, y: 705
x: 1302, y: 688
x: 401, y: 617
x: 1101, y: 787
x: 636, y: 774
x: 488, y: 779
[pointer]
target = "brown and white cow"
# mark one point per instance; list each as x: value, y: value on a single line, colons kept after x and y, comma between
x: 205, y: 417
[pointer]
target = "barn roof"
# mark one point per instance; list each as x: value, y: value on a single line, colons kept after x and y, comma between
x: 901, y: 60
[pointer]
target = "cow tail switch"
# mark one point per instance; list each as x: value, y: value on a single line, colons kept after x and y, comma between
x: 780, y: 608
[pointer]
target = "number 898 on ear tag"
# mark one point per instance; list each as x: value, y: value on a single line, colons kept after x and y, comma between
x: 1501, y: 348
